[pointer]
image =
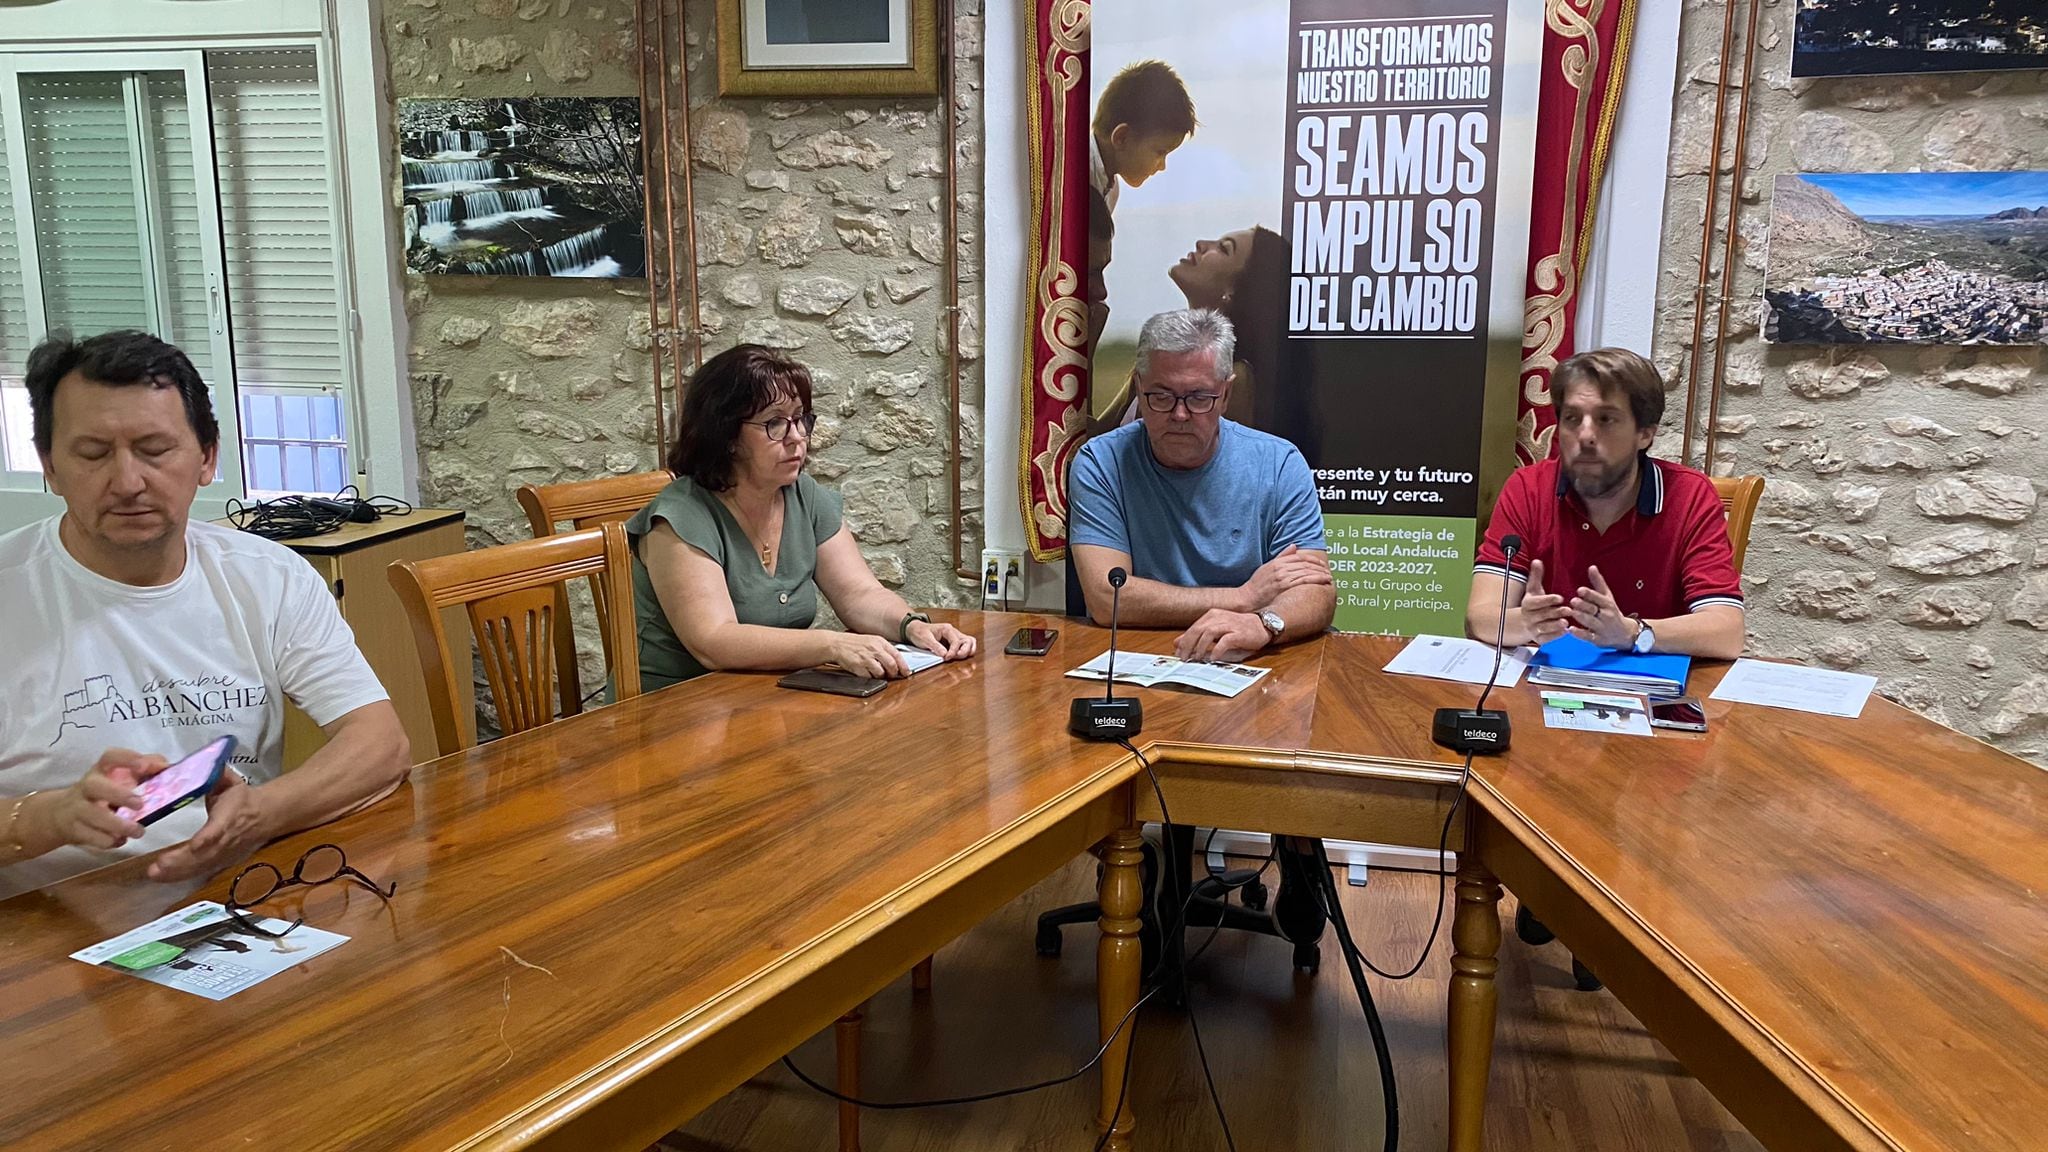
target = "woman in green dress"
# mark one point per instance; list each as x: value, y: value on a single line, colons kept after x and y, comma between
x: 730, y: 557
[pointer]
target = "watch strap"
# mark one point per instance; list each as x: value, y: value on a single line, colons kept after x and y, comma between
x: 903, y: 626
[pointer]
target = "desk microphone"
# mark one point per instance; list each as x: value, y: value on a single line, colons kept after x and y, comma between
x: 1108, y: 718
x: 1476, y: 730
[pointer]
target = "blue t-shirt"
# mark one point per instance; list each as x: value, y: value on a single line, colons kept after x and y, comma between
x: 1207, y: 527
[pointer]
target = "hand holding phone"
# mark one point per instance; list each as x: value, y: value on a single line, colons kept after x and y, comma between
x: 181, y: 783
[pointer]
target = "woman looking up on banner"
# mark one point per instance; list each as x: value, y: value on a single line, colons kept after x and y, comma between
x: 1242, y: 274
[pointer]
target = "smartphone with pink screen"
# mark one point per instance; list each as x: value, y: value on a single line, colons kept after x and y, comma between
x: 181, y: 783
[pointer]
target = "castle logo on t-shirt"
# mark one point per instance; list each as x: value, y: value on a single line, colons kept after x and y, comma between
x: 167, y: 702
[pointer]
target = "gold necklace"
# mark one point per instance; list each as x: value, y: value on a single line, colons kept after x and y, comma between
x: 767, y: 551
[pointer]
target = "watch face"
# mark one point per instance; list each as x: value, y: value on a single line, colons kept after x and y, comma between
x: 1273, y: 623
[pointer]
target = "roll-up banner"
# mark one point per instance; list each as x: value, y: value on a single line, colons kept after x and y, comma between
x: 1354, y: 195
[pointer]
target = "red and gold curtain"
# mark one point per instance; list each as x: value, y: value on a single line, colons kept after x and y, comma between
x: 1055, y: 393
x: 1585, y: 58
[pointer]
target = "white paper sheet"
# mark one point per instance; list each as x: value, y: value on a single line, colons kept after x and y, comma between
x: 1795, y: 686
x: 917, y: 658
x: 1459, y: 659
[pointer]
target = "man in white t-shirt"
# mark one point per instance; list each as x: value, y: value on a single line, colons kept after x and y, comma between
x: 134, y: 637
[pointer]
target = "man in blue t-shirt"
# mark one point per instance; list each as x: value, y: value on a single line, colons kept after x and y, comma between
x: 1218, y: 524
x: 1220, y: 529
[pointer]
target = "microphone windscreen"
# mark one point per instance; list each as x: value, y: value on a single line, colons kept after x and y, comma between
x: 1117, y: 576
x: 1512, y: 543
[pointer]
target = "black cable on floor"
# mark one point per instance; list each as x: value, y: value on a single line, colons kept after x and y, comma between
x: 1194, y: 1024
x: 1178, y: 924
x: 1355, y: 961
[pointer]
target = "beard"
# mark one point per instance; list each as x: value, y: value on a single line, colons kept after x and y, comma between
x: 1594, y: 485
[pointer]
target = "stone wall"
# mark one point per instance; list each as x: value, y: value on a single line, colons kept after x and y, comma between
x: 820, y: 225
x: 1899, y: 533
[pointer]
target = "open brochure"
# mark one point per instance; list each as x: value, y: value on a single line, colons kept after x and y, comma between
x: 1148, y: 671
x: 199, y: 949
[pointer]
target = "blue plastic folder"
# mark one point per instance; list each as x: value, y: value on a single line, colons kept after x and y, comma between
x: 1570, y: 662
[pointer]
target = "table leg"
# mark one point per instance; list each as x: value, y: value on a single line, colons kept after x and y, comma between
x: 1475, y: 939
x: 1118, y: 963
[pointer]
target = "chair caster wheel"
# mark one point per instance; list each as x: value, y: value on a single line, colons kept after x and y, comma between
x: 1530, y: 930
x: 1049, y: 941
x: 1254, y: 896
x: 1308, y: 957
x: 1583, y: 978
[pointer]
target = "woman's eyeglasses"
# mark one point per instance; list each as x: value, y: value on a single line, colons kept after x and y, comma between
x: 1199, y: 403
x: 778, y: 428
x: 322, y: 864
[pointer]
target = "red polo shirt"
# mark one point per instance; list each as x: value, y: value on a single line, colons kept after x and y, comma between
x: 1667, y: 556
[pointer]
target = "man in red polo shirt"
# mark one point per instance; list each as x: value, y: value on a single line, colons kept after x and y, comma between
x: 1619, y: 548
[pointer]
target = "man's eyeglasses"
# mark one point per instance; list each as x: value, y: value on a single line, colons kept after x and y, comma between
x: 322, y: 864
x: 778, y: 428
x: 1198, y: 403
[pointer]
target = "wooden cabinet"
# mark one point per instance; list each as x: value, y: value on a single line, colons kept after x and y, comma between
x: 352, y: 562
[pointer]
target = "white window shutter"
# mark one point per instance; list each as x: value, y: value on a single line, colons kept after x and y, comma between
x: 277, y: 218
x: 15, y: 338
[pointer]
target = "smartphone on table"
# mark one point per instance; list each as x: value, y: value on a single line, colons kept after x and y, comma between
x: 833, y: 680
x: 1031, y: 641
x: 181, y: 783
x: 1680, y: 712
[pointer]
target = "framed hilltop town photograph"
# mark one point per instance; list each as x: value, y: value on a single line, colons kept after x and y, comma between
x: 1908, y: 258
x: 824, y: 48
x: 543, y: 186
x: 1878, y: 37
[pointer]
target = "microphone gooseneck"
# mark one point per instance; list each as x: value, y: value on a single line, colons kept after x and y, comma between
x: 1117, y: 576
x: 1510, y: 545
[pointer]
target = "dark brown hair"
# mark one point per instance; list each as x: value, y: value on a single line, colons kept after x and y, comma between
x: 115, y: 359
x: 1150, y: 98
x: 721, y: 396
x: 1613, y: 370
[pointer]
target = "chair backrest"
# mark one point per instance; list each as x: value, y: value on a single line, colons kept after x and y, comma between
x: 512, y: 594
x: 585, y: 504
x: 1739, y: 496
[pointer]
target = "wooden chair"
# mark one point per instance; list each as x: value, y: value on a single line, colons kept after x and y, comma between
x: 1739, y: 496
x: 512, y: 594
x: 586, y: 504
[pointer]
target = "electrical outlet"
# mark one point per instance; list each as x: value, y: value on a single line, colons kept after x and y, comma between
x: 1001, y: 567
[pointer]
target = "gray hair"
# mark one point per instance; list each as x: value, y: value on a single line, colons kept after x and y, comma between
x: 1188, y: 330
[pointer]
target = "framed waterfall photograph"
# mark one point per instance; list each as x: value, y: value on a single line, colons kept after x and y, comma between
x: 539, y: 186
x: 826, y: 48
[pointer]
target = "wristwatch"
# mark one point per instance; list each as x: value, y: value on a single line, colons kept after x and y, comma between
x: 903, y: 628
x: 1274, y: 624
x: 1645, y: 638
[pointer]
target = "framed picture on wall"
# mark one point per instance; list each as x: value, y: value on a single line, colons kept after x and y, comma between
x: 826, y: 48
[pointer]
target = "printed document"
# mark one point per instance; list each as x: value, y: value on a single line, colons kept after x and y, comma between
x: 1147, y: 671
x: 1459, y: 659
x: 1795, y: 686
x: 201, y: 950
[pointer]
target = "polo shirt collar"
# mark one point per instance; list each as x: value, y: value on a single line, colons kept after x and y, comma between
x: 1649, y: 491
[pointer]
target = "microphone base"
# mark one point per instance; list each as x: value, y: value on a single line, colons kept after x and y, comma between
x: 1481, y: 732
x: 1096, y: 718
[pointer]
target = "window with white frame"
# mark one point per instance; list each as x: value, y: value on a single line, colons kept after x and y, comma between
x: 193, y: 194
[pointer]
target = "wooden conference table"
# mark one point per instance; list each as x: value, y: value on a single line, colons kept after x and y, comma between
x: 603, y: 925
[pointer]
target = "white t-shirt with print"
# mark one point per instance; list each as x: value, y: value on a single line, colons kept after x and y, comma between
x: 88, y: 664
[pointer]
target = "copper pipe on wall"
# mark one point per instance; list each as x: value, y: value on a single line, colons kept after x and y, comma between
x: 696, y: 332
x: 668, y: 211
x: 947, y: 108
x: 1699, y: 293
x: 1728, y: 239
x: 647, y: 161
